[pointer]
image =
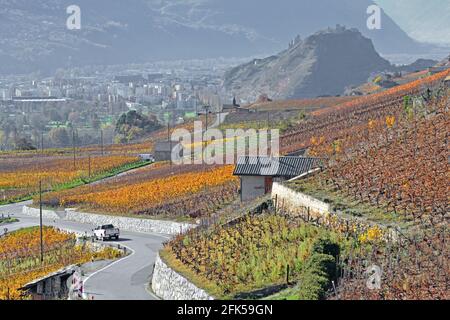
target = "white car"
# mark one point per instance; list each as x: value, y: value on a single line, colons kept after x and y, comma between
x: 106, y: 232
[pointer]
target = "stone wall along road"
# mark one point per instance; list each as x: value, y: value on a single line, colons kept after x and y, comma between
x: 169, y: 285
x: 123, y: 223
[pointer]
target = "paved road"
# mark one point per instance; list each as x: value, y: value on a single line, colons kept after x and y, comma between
x: 125, y: 279
x: 221, y: 117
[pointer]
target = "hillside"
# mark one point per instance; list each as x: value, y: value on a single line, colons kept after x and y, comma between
x: 34, y: 37
x: 332, y: 123
x: 323, y: 64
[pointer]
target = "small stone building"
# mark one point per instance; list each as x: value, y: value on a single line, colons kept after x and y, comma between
x: 257, y: 173
x: 164, y: 149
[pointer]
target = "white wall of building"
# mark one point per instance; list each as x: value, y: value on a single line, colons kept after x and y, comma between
x: 252, y: 187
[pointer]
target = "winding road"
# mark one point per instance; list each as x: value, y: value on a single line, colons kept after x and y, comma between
x: 125, y: 279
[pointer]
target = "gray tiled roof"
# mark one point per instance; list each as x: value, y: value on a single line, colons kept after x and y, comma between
x: 274, y: 166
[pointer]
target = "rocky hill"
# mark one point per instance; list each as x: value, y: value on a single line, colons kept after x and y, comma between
x: 324, y: 64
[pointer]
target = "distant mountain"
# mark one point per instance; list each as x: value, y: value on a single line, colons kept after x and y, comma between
x: 34, y: 37
x: 424, y: 20
x: 322, y: 65
x: 418, y: 65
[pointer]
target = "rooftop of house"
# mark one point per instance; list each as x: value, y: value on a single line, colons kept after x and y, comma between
x: 287, y: 167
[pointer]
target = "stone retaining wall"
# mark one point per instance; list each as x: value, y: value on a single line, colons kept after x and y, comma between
x: 314, y: 211
x: 290, y: 199
x: 123, y: 223
x: 169, y: 285
x: 46, y: 214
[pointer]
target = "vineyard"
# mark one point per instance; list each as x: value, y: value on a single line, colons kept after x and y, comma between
x: 330, y: 124
x: 20, y: 257
x: 397, y: 165
x: 416, y: 269
x: 20, y: 176
x: 299, y: 104
x: 160, y: 190
x: 386, y: 160
x: 254, y: 253
x: 21, y: 171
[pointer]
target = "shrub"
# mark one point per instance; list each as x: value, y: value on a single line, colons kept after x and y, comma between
x: 326, y: 246
x: 316, y: 277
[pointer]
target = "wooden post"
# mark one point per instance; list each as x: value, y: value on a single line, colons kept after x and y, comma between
x: 334, y: 288
x: 276, y: 203
x: 287, y: 274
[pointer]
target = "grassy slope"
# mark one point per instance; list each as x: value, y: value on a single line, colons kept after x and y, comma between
x: 4, y: 221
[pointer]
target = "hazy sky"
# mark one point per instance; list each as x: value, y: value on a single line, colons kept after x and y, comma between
x: 424, y: 20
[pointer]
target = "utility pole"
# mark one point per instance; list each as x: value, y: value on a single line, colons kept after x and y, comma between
x: 101, y: 140
x: 42, y: 142
x: 40, y: 221
x: 206, y: 112
x: 73, y: 146
x: 168, y: 135
x: 89, y: 167
x: 168, y: 128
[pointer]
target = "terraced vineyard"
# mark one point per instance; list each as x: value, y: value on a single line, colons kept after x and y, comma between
x: 21, y: 171
x: 398, y: 165
x: 20, y: 176
x: 332, y: 123
x: 257, y: 252
x: 161, y: 190
x: 306, y: 105
x: 387, y: 157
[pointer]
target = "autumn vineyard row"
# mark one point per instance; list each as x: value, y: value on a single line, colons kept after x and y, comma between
x: 159, y: 190
x: 20, y: 177
x: 331, y: 123
x: 398, y: 163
